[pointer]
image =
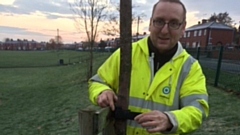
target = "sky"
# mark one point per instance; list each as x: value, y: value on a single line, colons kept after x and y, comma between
x: 39, y: 20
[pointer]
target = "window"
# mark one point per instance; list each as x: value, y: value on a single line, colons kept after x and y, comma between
x: 189, y: 33
x: 185, y: 34
x: 187, y: 45
x: 200, y: 33
x: 198, y: 44
x: 195, y: 33
x: 194, y: 45
x: 205, y: 32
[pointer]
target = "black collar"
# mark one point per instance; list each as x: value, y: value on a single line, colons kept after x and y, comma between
x: 160, y: 58
x: 153, y: 49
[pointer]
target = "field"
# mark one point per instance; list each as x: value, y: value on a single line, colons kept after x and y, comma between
x: 45, y: 100
x: 42, y: 100
x: 224, y: 114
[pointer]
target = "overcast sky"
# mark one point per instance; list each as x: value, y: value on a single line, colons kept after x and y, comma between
x: 40, y: 19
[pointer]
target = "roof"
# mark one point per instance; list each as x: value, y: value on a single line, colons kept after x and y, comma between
x: 139, y: 36
x: 212, y: 25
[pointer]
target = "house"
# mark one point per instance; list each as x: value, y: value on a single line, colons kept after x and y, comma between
x: 206, y: 34
x: 73, y: 46
x: 21, y: 45
x: 138, y: 37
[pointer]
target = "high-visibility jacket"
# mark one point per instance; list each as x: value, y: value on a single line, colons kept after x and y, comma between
x: 178, y: 88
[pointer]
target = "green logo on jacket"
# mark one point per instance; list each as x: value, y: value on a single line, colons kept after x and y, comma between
x: 166, y: 90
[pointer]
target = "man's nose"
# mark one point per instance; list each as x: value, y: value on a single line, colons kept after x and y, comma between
x: 165, y: 29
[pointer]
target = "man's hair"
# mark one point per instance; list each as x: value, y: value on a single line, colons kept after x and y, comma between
x: 172, y: 1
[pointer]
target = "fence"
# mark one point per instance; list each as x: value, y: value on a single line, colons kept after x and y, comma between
x: 221, y: 66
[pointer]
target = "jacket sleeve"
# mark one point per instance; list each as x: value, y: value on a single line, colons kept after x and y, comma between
x: 106, y: 77
x: 193, y: 102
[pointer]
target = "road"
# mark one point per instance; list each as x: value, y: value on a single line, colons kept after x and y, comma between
x: 228, y: 66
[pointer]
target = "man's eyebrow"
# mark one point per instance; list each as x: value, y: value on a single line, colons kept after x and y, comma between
x: 174, y: 20
x: 160, y: 18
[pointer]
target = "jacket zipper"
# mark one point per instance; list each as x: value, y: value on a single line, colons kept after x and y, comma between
x: 151, y: 62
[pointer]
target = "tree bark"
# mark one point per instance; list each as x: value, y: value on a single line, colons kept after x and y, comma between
x: 125, y: 61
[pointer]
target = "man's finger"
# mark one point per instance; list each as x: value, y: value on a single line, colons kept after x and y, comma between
x: 111, y: 102
x: 115, y: 97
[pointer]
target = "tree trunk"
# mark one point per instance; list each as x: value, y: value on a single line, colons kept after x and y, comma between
x: 90, y: 69
x: 125, y: 61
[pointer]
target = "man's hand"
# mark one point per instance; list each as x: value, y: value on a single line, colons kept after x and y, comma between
x: 154, y: 121
x: 107, y: 98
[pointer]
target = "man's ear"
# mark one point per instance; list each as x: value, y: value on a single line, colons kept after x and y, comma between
x: 150, y: 23
x: 184, y: 27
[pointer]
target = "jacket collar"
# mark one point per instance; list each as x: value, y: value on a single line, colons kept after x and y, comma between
x: 143, y: 43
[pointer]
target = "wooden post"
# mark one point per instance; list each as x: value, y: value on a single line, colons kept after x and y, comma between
x: 95, y: 120
x: 86, y: 120
x: 125, y: 62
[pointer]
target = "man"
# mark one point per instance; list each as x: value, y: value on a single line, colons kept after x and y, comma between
x: 167, y: 84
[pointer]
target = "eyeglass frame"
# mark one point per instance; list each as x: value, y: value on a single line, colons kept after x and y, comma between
x: 169, y: 27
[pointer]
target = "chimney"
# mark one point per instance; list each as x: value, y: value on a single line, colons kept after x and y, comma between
x: 199, y: 22
x: 204, y: 21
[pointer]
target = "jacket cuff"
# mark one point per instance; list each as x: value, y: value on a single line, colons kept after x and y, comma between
x: 94, y: 90
x: 173, y: 121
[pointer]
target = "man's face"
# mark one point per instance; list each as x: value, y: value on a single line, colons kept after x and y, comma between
x: 166, y: 38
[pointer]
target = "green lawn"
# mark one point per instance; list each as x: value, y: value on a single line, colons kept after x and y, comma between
x: 39, y: 58
x: 229, y: 81
x: 43, y: 100
x: 46, y: 100
x: 224, y: 118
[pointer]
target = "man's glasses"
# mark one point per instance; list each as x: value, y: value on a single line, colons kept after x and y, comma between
x: 172, y: 25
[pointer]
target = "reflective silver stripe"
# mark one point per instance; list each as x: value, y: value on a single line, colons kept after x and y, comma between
x: 173, y: 120
x: 147, y: 104
x: 185, y: 70
x: 96, y: 78
x: 182, y: 75
x: 133, y: 123
x: 191, y: 100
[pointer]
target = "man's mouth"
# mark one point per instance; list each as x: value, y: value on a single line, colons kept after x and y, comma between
x: 163, y: 38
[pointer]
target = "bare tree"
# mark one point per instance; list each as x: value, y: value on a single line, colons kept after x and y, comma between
x: 112, y: 25
x: 59, y: 42
x: 55, y: 43
x: 222, y: 18
x: 88, y: 15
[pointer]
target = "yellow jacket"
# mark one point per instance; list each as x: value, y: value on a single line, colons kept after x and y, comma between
x: 178, y: 88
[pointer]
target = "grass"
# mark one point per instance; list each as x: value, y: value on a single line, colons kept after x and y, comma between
x: 40, y: 101
x: 43, y: 101
x: 224, y: 114
x: 46, y: 100
x: 39, y: 58
x: 228, y: 81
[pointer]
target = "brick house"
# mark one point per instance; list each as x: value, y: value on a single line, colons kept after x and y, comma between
x: 21, y: 45
x: 205, y: 34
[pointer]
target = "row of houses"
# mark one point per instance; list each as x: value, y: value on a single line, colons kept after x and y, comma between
x: 203, y: 34
x: 22, y: 45
x: 206, y: 34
